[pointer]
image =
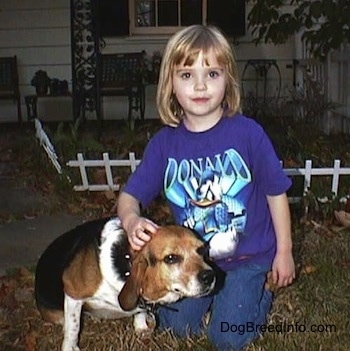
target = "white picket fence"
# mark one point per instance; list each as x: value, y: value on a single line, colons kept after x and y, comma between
x: 105, y: 163
x: 336, y: 171
x: 47, y: 145
x: 307, y: 172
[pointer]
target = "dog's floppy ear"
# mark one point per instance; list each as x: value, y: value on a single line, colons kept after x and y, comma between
x: 130, y: 292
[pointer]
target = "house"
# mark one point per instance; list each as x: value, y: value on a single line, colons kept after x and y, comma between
x: 42, y: 34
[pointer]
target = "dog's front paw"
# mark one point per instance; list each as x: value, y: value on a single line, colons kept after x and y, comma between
x: 67, y: 346
x: 151, y: 322
x: 144, y: 324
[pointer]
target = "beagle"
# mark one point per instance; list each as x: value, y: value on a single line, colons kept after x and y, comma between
x: 93, y: 268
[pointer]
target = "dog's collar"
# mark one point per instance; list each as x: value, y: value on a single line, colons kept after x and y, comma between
x: 152, y: 307
x: 149, y: 307
x: 127, y: 257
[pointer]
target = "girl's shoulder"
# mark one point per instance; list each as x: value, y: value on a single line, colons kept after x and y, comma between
x: 243, y: 124
x: 164, y: 132
x: 162, y: 136
x: 244, y: 120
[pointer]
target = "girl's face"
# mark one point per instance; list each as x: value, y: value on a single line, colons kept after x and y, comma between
x: 200, y: 90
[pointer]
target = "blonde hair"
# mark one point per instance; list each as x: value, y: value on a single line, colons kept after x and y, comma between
x: 184, y: 46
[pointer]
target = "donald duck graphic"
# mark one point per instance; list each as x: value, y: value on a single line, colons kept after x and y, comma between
x: 206, y: 192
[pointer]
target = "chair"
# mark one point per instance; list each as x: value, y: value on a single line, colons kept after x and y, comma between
x: 122, y: 74
x: 9, y: 86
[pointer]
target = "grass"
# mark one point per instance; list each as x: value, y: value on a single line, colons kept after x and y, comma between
x: 319, y: 298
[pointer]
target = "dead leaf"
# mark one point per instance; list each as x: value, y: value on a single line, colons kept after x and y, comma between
x: 323, y: 230
x: 30, y: 341
x: 308, y: 269
x: 74, y: 208
x: 110, y: 195
x: 343, y: 218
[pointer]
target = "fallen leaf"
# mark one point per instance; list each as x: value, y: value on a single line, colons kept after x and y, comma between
x: 322, y: 230
x: 30, y: 341
x: 343, y: 218
x: 110, y: 195
x: 308, y: 269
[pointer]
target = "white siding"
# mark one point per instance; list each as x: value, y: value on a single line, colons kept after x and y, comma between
x: 38, y: 32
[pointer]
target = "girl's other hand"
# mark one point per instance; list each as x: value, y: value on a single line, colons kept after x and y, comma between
x: 283, y: 269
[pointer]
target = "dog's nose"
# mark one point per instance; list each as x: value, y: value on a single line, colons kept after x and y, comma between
x: 206, y: 276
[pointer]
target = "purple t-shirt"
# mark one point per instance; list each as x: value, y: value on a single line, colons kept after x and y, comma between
x: 216, y: 183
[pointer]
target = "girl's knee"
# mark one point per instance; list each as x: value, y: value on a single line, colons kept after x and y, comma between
x: 179, y: 324
x: 166, y: 321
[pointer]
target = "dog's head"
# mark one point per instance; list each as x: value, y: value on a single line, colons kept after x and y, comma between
x: 170, y: 266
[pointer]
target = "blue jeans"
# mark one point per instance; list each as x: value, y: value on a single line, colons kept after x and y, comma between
x: 238, y: 307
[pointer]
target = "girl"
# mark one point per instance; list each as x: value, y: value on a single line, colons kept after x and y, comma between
x: 222, y: 178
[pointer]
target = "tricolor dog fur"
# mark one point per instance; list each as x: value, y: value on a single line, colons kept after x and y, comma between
x: 92, y: 268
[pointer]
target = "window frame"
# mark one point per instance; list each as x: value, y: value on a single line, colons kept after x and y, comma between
x: 162, y: 30
x: 115, y: 18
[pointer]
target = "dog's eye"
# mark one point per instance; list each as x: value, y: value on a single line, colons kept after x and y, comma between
x: 171, y: 259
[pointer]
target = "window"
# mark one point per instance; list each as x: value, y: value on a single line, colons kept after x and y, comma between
x: 147, y: 17
x: 113, y: 18
x: 164, y: 16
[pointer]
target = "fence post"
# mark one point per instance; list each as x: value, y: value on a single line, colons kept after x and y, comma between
x: 47, y: 145
x: 132, y: 161
x: 82, y: 169
x: 335, y: 179
x: 108, y: 170
x: 307, y: 178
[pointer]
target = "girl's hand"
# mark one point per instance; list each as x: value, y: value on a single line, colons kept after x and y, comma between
x: 139, y: 231
x: 283, y: 269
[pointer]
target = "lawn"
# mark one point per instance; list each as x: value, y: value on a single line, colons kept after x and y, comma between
x: 311, y: 314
